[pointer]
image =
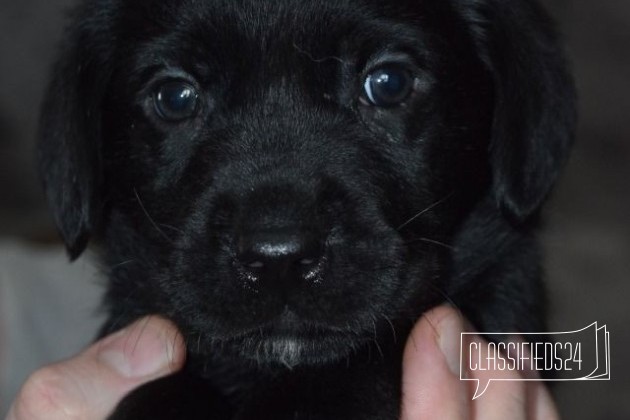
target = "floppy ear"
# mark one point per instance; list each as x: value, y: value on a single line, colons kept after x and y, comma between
x: 534, y: 111
x: 69, y: 141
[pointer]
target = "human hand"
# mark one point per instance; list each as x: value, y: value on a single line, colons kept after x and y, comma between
x: 90, y: 385
x: 432, y: 388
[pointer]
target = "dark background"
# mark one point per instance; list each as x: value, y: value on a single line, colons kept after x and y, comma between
x: 588, y: 231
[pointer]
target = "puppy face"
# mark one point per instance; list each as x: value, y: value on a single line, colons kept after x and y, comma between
x: 284, y: 179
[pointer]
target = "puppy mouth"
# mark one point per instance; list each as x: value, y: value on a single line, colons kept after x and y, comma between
x: 290, y: 340
x: 289, y: 326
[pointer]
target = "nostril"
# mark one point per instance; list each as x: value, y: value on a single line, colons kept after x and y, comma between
x: 307, y: 261
x: 256, y: 265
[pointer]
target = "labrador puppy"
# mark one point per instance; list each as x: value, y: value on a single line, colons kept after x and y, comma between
x: 294, y: 182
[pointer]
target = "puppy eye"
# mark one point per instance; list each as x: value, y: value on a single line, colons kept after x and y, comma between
x: 388, y: 86
x: 175, y: 101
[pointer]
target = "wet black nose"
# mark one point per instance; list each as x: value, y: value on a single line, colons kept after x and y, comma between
x: 282, y: 259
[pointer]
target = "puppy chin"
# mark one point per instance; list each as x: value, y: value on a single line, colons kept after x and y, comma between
x: 289, y: 344
x: 296, y: 351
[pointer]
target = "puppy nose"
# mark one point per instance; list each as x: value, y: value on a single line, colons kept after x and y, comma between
x: 280, y: 259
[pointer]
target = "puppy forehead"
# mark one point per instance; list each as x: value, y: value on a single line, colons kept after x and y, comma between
x: 260, y: 15
x: 250, y: 28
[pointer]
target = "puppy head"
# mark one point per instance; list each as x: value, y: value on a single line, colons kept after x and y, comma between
x: 283, y: 178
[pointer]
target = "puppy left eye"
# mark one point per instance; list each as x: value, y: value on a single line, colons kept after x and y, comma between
x: 175, y: 101
x: 388, y: 86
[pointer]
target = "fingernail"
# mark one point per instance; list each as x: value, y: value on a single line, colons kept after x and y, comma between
x: 450, y: 330
x: 137, y: 351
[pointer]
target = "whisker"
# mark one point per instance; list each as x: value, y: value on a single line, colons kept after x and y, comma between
x: 444, y: 294
x: 170, y: 350
x: 375, y: 340
x: 380, y: 350
x: 173, y: 228
x: 357, y: 273
x: 142, y: 330
x: 431, y: 241
x: 374, y: 327
x: 155, y: 225
x: 391, y: 324
x: 122, y: 264
x: 426, y: 210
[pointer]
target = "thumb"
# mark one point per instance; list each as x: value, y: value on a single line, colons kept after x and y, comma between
x: 90, y: 385
x: 431, y: 383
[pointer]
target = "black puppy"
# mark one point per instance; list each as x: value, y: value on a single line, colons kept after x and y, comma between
x: 294, y: 182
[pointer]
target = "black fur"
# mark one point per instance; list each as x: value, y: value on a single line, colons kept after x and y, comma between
x: 434, y: 199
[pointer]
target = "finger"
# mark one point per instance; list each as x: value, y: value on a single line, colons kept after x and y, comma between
x: 432, y: 388
x: 90, y: 385
x: 513, y: 394
x: 540, y: 403
x: 506, y: 395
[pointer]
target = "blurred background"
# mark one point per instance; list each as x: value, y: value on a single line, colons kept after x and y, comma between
x: 587, y: 235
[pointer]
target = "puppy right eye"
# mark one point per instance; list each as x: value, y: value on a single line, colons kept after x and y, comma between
x: 388, y: 86
x: 176, y: 101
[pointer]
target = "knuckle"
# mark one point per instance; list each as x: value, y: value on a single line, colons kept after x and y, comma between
x: 44, y: 396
